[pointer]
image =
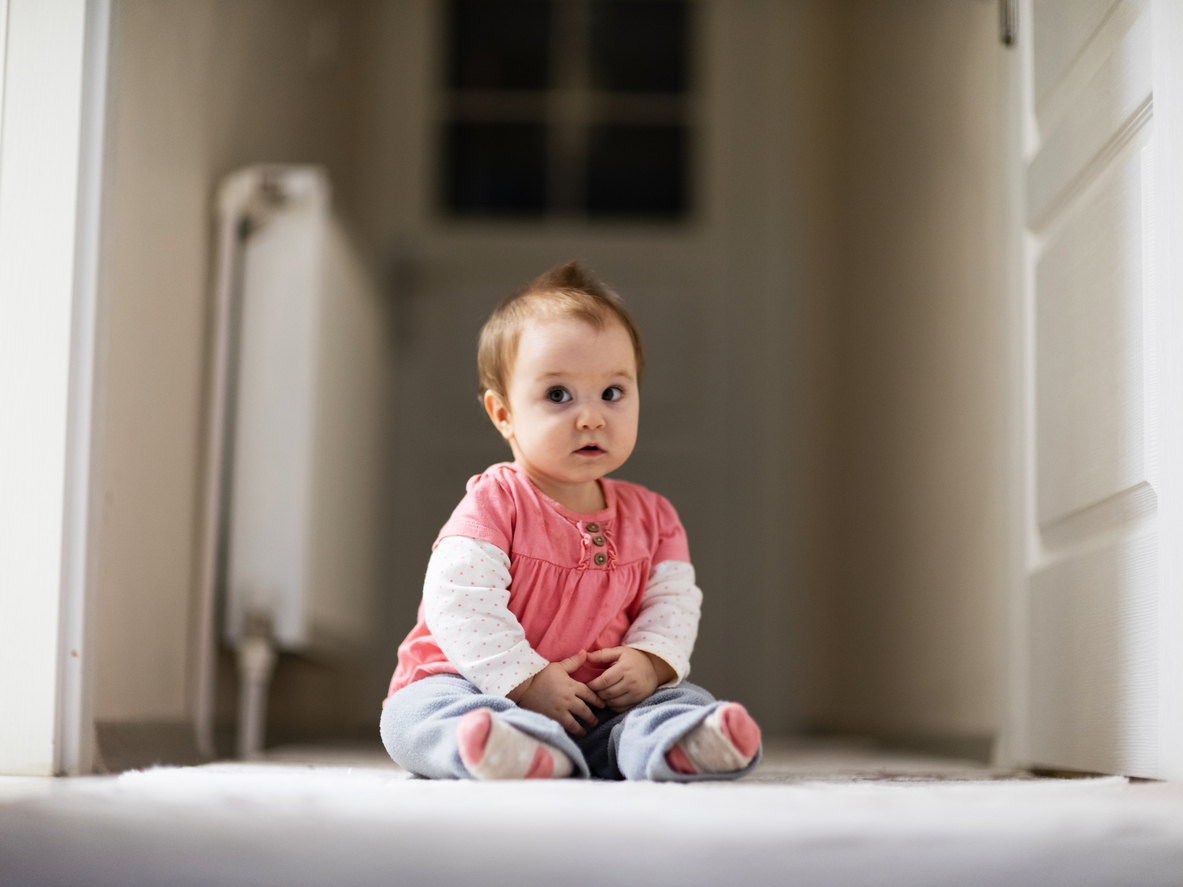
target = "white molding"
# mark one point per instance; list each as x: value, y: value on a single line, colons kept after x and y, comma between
x: 39, y: 172
x: 1168, y: 293
x: 1022, y: 131
x: 75, y: 715
x: 3, y: 56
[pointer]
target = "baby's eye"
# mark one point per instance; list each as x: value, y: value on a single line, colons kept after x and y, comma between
x: 558, y: 395
x: 613, y: 393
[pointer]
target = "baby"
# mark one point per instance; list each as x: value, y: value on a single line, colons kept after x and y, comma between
x: 559, y: 609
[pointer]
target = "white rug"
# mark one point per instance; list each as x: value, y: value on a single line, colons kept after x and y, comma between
x: 820, y: 820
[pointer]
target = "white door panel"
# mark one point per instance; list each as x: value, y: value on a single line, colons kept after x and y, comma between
x: 1093, y: 627
x: 1090, y: 351
x: 1062, y: 29
x: 1097, y: 118
x: 1093, y: 590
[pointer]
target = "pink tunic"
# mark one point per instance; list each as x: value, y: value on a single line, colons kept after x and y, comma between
x: 576, y: 579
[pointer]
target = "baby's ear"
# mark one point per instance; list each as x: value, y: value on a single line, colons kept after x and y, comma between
x: 498, y: 411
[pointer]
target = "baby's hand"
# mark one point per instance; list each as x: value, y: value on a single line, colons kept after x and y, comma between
x: 632, y: 676
x: 554, y: 693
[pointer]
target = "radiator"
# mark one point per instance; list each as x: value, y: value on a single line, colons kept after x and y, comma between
x: 297, y: 426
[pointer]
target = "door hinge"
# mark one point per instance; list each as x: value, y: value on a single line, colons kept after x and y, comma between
x: 1008, y: 21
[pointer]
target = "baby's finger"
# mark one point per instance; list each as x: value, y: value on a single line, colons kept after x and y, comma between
x: 609, y: 654
x: 606, y: 680
x: 591, y: 697
x: 572, y: 663
x: 572, y: 726
x: 615, y: 693
x: 584, y: 713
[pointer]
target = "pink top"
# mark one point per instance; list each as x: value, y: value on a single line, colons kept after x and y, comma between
x: 576, y: 579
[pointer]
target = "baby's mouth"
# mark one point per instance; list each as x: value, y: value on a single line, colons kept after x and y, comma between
x: 590, y: 450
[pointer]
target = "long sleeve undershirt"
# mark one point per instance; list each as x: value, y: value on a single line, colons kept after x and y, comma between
x: 466, y: 605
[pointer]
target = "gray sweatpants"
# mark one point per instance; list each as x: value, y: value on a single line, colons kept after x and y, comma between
x: 419, y: 730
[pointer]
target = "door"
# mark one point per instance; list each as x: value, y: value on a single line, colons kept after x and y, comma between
x: 1093, y: 615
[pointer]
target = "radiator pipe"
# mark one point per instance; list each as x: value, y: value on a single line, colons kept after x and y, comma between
x: 256, y: 661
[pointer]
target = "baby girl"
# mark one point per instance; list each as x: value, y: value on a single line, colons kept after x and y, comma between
x: 559, y: 609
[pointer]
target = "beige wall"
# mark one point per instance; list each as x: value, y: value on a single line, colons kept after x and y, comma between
x: 919, y: 433
x: 811, y: 252
x: 198, y: 88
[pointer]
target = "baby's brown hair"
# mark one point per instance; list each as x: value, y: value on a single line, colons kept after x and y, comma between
x: 564, y: 291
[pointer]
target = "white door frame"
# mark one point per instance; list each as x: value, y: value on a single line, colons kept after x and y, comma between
x: 1168, y: 210
x: 52, y: 96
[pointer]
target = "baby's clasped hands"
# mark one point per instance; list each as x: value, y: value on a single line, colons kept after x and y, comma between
x: 554, y: 693
x: 631, y: 677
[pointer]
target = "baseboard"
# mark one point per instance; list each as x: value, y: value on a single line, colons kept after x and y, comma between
x: 134, y: 745
x: 974, y: 747
x: 978, y: 747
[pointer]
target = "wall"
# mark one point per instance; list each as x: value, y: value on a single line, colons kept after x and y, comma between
x: 920, y: 424
x: 197, y: 89
x: 812, y: 165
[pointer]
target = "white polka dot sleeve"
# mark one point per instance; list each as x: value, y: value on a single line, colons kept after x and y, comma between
x: 667, y: 623
x: 466, y: 606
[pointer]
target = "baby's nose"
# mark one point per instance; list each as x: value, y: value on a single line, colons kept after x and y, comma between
x: 591, y: 418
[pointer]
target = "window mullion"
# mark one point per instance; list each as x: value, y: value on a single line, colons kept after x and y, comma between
x: 568, y: 107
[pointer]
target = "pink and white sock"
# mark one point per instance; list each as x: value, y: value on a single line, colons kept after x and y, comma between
x: 492, y: 749
x: 726, y: 740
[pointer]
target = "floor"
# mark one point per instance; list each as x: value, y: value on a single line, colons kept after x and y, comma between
x: 814, y: 813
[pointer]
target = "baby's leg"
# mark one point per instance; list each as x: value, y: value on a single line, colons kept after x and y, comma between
x: 431, y: 726
x: 683, y: 734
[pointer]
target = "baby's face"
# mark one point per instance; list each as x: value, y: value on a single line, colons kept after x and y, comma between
x: 573, y: 402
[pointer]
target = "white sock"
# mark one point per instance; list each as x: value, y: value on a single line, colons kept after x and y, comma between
x: 493, y: 749
x: 726, y: 740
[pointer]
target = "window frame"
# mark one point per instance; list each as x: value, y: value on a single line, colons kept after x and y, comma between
x: 569, y: 109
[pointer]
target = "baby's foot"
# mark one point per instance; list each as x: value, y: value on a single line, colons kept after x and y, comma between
x: 727, y: 740
x: 492, y: 749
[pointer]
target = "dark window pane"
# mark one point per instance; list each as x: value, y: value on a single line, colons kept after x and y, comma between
x: 496, y: 168
x: 637, y: 170
x: 499, y: 44
x: 640, y: 45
